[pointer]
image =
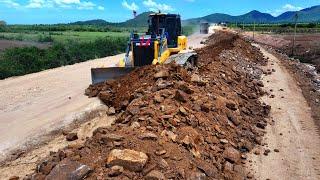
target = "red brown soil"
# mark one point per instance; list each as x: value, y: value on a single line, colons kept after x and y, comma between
x: 307, y: 46
x: 206, y: 119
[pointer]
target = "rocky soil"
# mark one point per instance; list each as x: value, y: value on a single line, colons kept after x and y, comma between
x: 173, y: 122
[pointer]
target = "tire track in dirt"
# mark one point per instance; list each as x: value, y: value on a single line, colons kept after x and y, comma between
x: 293, y: 131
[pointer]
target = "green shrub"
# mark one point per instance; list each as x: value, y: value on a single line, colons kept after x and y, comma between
x: 19, y: 37
x: 20, y: 61
x: 45, y: 38
x: 188, y: 30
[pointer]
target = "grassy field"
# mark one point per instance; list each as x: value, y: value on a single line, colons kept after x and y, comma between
x: 31, y: 48
x: 66, y: 36
x: 278, y: 28
x: 60, y: 36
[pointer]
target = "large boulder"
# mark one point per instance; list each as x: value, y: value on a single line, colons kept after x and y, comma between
x: 161, y: 74
x: 181, y: 96
x: 68, y: 169
x: 71, y: 137
x: 155, y: 175
x: 127, y: 158
x: 232, y: 155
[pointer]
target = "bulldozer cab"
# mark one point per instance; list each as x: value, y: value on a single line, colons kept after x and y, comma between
x: 170, y: 23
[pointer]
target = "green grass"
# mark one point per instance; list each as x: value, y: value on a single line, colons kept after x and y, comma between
x: 188, y: 29
x: 68, y: 45
x: 21, y: 33
x: 60, y: 36
x: 86, y: 36
x: 278, y: 28
x: 25, y: 60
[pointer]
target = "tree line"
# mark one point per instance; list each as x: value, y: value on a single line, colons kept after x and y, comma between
x: 67, y: 27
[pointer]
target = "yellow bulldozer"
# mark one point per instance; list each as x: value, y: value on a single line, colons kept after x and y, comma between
x: 163, y: 43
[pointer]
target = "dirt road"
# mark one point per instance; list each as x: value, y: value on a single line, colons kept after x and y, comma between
x: 35, y: 104
x: 39, y: 102
x: 293, y: 131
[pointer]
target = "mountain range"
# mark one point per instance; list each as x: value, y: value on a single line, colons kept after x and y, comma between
x: 138, y: 21
x: 307, y: 15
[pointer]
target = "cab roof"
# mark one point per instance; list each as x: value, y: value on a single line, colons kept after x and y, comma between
x: 163, y: 14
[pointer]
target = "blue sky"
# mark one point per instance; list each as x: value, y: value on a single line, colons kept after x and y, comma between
x: 64, y: 11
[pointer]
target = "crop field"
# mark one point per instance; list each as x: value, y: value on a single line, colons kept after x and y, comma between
x: 278, y: 28
x: 31, y: 48
x: 307, y: 48
x: 28, y: 49
x: 6, y: 44
x: 59, y: 36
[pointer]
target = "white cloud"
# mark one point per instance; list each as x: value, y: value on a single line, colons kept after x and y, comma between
x: 290, y: 7
x: 66, y: 4
x: 67, y: 1
x: 86, y: 5
x: 101, y: 8
x: 154, y: 6
x: 36, y: 4
x: 133, y: 6
x: 10, y: 3
x: 286, y: 7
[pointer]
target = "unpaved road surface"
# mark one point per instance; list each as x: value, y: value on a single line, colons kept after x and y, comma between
x: 38, y: 103
x: 293, y: 132
x: 195, y: 40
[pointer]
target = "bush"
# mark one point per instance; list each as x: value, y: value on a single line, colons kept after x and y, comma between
x: 44, y: 38
x: 20, y: 61
x: 19, y: 37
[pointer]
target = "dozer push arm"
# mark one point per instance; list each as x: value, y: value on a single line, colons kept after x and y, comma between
x: 127, y: 61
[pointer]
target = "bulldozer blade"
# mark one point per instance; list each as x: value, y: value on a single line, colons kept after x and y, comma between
x: 183, y: 58
x: 99, y: 75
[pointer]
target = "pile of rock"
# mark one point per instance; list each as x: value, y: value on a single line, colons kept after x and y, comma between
x: 173, y: 123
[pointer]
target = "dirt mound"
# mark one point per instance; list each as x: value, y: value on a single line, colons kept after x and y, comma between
x: 174, y: 123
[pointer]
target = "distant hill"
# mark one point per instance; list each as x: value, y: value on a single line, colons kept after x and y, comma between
x: 257, y: 16
x: 98, y: 22
x: 2, y: 23
x: 140, y: 21
x: 307, y: 15
x: 310, y: 14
